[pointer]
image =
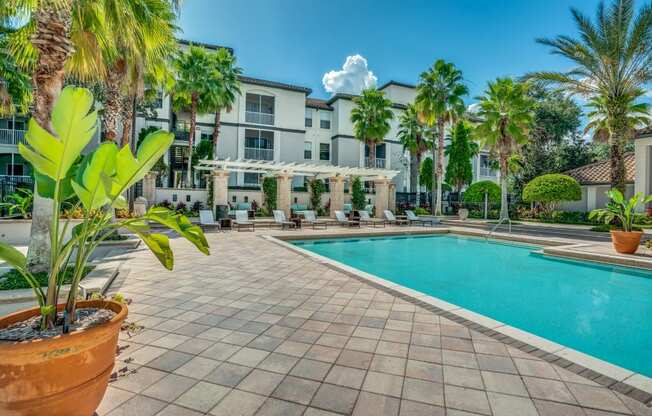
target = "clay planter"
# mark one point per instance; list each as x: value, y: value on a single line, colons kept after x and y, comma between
x: 626, y: 242
x: 65, y: 375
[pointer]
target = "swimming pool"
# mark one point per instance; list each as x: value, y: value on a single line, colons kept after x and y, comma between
x: 600, y: 310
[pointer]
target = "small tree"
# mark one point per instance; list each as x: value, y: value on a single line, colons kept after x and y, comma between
x: 357, y: 194
x: 476, y: 192
x: 269, y: 193
x: 551, y: 189
x: 459, y: 170
x: 425, y: 175
x: 317, y: 188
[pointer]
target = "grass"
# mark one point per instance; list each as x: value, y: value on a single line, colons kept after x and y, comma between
x: 14, y: 280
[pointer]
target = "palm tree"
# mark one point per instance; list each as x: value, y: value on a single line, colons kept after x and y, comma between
x: 196, y: 76
x: 226, y: 88
x: 612, y: 60
x: 506, y: 112
x: 15, y: 87
x: 370, y: 117
x: 439, y: 102
x: 412, y: 136
x: 637, y: 115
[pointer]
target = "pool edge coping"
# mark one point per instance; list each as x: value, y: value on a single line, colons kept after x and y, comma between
x: 634, y: 385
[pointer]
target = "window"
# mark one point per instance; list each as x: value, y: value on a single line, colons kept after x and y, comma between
x: 157, y: 102
x: 324, y: 151
x: 308, y: 117
x: 259, y: 109
x: 307, y: 150
x: 15, y: 169
x: 381, y: 150
x: 486, y: 168
x: 325, y: 119
x: 259, y: 144
x: 252, y: 178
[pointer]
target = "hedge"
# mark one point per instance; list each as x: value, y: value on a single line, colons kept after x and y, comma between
x: 550, y: 189
x: 475, y: 193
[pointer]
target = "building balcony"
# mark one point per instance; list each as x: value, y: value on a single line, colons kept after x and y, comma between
x: 376, y: 164
x: 11, y: 136
x: 259, y: 118
x: 181, y: 135
x: 255, y: 153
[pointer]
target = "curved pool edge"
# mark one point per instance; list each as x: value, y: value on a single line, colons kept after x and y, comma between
x: 622, y: 380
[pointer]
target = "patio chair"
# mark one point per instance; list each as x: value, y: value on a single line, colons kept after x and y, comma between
x: 366, y: 219
x: 413, y: 218
x: 242, y: 221
x: 391, y: 219
x: 310, y: 218
x: 207, y: 221
x: 280, y: 220
x: 342, y: 220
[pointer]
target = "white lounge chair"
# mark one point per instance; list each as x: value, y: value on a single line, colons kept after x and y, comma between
x: 366, y: 219
x: 279, y: 219
x: 342, y: 220
x: 310, y: 218
x: 413, y: 218
x: 391, y: 219
x: 242, y: 221
x: 206, y: 220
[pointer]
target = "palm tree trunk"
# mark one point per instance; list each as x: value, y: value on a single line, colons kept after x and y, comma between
x: 417, y: 179
x: 128, y: 119
x: 438, y: 172
x: 216, y: 132
x: 413, y: 172
x: 191, y: 135
x: 504, y: 208
x: 372, y: 154
x: 618, y: 173
x: 52, y: 41
x: 112, y: 104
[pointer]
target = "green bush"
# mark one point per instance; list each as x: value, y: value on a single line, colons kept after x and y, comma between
x: 269, y: 193
x: 12, y: 279
x: 357, y: 194
x: 475, y: 193
x: 551, y: 189
x: 421, y: 211
x: 317, y: 188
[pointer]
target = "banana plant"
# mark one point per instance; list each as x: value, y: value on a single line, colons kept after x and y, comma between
x: 620, y: 209
x: 20, y: 201
x: 98, y: 181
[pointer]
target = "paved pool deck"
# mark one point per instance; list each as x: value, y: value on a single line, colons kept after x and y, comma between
x: 258, y: 329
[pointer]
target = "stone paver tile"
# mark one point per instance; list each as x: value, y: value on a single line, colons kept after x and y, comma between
x: 467, y: 399
x: 322, y: 353
x: 228, y: 374
x: 169, y: 387
x: 202, y: 396
x: 464, y: 377
x: 250, y: 357
x: 425, y: 340
x: 597, y: 397
x: 394, y: 349
x: 296, y: 389
x: 546, y: 408
x: 410, y: 408
x: 382, y: 383
x: 535, y: 368
x: 145, y: 354
x: 395, y: 336
x: 238, y: 403
x: 369, y: 333
x: 296, y: 349
x: 305, y: 336
x: 460, y: 359
x: 170, y: 361
x: 220, y: 351
x: 505, y: 405
x: 261, y: 382
x: 361, y: 344
x: 541, y: 388
x: 311, y: 369
x: 174, y: 410
x: 238, y: 338
x: 335, y: 398
x: 496, y: 363
x: 370, y: 404
x: 275, y: 407
x: 504, y: 383
x: 424, y: 371
x: 194, y: 346
x: 332, y: 340
x: 198, y: 367
x: 138, y: 379
x: 313, y: 411
x: 457, y: 344
x: 355, y: 359
x: 492, y: 348
x: 346, y: 376
x: 113, y: 398
x: 266, y: 343
x: 138, y: 406
x: 278, y: 363
x: 423, y: 391
x: 638, y: 408
x: 390, y: 365
x: 170, y: 341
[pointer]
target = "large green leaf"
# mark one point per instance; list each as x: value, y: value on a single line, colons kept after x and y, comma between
x: 13, y: 257
x: 93, y: 181
x: 158, y: 244
x: 74, y: 128
x: 180, y: 224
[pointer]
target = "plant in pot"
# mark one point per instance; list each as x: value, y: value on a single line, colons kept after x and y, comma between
x: 625, y: 240
x: 57, y: 358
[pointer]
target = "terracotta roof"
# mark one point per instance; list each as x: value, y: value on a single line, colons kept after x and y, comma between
x: 599, y: 173
x: 317, y: 103
x: 645, y: 131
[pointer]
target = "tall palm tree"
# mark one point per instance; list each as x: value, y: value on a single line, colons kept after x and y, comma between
x: 196, y: 76
x: 225, y: 89
x: 412, y: 136
x: 507, y: 114
x: 637, y: 115
x: 370, y: 117
x: 439, y: 102
x: 612, y: 60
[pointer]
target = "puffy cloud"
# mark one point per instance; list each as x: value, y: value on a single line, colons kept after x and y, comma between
x: 354, y: 77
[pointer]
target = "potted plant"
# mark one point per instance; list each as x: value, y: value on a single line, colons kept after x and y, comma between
x: 626, y: 239
x: 57, y: 358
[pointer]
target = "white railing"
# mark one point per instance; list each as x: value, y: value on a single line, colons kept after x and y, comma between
x: 17, y: 178
x: 259, y: 118
x: 378, y: 163
x: 255, y: 153
x: 11, y: 136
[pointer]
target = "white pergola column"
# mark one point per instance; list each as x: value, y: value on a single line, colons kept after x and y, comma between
x: 149, y: 188
x: 336, y: 185
x: 392, y: 197
x: 220, y: 187
x: 284, y: 193
x: 382, y: 196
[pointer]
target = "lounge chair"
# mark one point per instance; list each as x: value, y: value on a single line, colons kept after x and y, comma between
x: 411, y: 216
x: 310, y: 218
x: 391, y: 219
x: 280, y: 220
x: 342, y: 220
x: 367, y: 220
x: 206, y: 220
x: 242, y: 221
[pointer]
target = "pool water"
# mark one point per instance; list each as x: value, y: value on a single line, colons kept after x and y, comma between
x: 600, y: 310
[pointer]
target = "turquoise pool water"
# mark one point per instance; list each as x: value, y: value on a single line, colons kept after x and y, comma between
x: 599, y: 310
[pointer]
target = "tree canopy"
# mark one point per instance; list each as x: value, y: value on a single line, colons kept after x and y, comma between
x: 550, y: 189
x: 459, y: 170
x: 475, y: 193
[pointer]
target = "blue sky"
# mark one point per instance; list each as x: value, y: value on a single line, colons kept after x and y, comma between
x: 299, y: 41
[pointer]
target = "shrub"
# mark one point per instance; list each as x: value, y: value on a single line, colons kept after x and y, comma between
x: 551, y: 189
x: 269, y: 193
x: 475, y: 193
x: 357, y: 194
x: 317, y: 188
x: 421, y: 211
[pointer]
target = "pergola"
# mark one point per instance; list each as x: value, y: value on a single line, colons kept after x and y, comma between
x: 284, y: 172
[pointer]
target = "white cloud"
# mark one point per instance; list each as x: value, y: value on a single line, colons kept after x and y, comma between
x: 354, y: 77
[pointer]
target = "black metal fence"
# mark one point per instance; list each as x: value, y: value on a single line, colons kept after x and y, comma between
x: 9, y: 184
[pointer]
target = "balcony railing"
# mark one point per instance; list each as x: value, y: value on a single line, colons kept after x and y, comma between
x: 181, y: 135
x: 255, y: 153
x: 11, y: 136
x: 377, y: 163
x: 259, y: 118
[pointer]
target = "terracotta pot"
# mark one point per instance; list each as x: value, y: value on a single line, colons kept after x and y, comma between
x: 626, y: 242
x: 62, y: 376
